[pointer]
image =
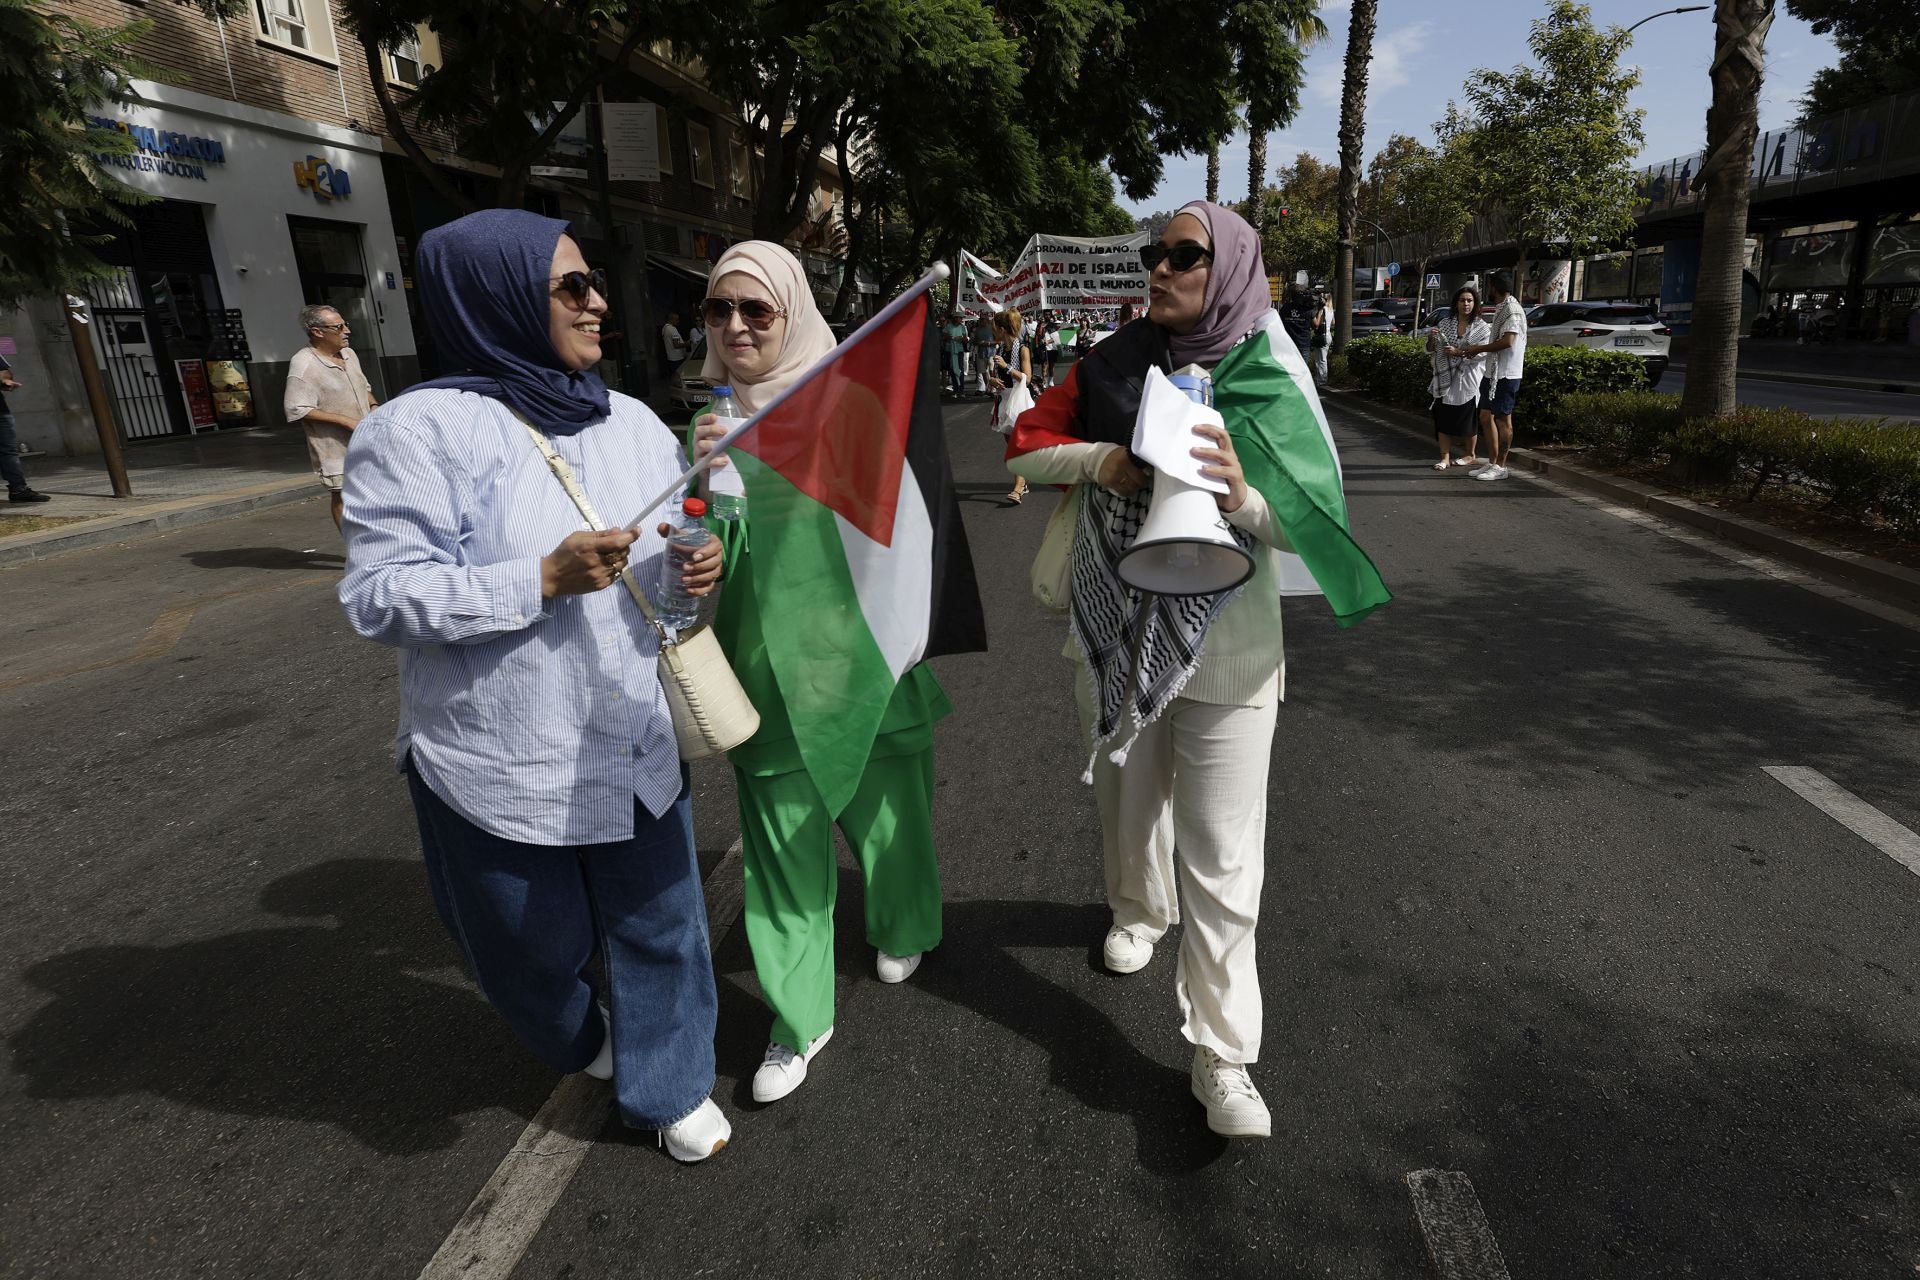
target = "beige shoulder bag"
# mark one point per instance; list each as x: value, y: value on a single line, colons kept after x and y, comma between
x: 711, y: 712
x: 1053, y: 563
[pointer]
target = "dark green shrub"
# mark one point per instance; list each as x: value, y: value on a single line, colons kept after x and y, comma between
x: 1623, y: 424
x: 1861, y: 465
x: 1554, y: 373
x: 1395, y: 370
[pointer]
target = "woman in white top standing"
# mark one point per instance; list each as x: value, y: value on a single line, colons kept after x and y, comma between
x: 1458, y: 378
x: 1013, y: 379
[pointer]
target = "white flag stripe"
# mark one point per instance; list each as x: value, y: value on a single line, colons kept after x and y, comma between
x: 1290, y: 570
x: 895, y: 584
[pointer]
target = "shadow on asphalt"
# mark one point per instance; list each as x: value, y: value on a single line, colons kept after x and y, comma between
x: 267, y: 558
x: 363, y: 1019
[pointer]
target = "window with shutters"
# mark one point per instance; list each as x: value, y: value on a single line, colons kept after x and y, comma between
x: 304, y: 26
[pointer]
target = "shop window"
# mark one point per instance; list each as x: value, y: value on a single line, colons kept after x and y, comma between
x: 740, y: 169
x: 699, y: 154
x: 304, y: 26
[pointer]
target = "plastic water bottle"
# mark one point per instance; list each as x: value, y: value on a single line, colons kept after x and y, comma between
x: 676, y: 606
x: 726, y: 487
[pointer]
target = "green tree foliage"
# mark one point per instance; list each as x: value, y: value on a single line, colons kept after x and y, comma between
x: 1301, y: 238
x: 1555, y: 142
x: 1430, y: 194
x: 54, y: 72
x: 1879, y: 46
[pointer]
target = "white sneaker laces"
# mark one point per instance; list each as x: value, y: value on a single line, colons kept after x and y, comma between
x: 1229, y: 1079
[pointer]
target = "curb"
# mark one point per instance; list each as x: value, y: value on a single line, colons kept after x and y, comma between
x: 1816, y: 380
x: 1889, y: 583
x: 174, y: 515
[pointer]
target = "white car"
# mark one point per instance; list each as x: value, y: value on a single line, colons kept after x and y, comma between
x: 1605, y: 326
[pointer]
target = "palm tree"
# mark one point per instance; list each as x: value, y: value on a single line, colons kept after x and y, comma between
x: 1353, y: 129
x: 1257, y: 181
x: 1733, y: 122
x: 1213, y: 174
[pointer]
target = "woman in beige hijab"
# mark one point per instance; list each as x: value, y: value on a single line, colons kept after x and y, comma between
x: 763, y: 331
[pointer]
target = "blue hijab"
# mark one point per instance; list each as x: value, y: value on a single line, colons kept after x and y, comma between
x: 484, y: 285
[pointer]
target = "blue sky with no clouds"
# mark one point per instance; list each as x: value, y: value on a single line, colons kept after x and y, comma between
x: 1423, y: 51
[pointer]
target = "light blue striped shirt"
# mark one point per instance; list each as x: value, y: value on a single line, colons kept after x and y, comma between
x: 539, y: 721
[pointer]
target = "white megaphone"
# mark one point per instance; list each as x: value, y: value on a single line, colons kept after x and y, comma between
x: 1186, y: 547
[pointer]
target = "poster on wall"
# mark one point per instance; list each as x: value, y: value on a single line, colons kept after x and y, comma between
x: 197, y: 391
x: 1895, y: 256
x: 631, y: 131
x: 1063, y: 272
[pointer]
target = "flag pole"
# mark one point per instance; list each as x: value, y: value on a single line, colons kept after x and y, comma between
x: 940, y: 271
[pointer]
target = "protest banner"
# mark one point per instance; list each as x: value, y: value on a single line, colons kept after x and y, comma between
x: 1055, y: 273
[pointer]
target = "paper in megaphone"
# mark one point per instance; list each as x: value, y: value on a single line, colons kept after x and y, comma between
x: 1163, y: 435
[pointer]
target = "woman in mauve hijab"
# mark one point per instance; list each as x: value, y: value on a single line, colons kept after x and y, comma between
x: 553, y: 807
x: 1182, y: 737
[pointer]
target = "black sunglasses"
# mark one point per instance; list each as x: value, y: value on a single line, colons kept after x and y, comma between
x: 580, y: 284
x: 1181, y: 257
x: 758, y: 315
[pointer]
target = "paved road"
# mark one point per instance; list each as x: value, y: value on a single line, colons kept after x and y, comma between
x: 1533, y: 913
x: 1823, y: 401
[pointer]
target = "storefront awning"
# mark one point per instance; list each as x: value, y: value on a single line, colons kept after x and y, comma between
x: 691, y: 268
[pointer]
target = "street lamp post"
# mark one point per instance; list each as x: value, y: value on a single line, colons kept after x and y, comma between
x: 1685, y: 8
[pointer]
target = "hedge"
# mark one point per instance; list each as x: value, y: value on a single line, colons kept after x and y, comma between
x: 1398, y: 369
x: 1866, y: 471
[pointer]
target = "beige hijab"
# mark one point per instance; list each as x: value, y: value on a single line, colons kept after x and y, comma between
x: 807, y: 336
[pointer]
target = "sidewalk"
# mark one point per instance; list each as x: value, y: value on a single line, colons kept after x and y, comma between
x: 175, y: 483
x: 1871, y: 366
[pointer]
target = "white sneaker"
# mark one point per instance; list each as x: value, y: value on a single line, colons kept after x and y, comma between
x: 601, y: 1068
x: 892, y: 968
x: 783, y: 1070
x: 1490, y: 473
x: 1234, y: 1107
x: 700, y: 1135
x: 1126, y: 951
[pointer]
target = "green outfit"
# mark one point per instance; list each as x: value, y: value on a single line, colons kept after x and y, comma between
x: 786, y: 832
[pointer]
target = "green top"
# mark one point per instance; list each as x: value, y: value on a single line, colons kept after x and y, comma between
x: 906, y: 728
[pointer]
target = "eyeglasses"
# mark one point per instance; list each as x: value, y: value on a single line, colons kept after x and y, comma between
x: 758, y: 315
x: 329, y: 328
x: 1181, y: 257
x: 581, y: 285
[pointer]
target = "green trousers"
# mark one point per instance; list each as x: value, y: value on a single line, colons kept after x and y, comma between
x: 786, y: 839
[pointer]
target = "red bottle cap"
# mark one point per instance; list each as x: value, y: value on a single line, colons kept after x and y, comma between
x: 695, y: 507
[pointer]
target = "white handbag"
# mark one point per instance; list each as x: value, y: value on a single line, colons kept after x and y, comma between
x: 1053, y: 563
x: 711, y: 711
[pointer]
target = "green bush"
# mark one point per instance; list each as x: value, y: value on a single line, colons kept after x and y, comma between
x: 1396, y: 370
x: 1623, y: 424
x: 1339, y: 374
x: 1554, y: 373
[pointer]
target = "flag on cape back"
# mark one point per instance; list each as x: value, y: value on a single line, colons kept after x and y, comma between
x: 864, y: 565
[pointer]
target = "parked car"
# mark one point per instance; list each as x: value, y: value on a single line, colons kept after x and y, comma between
x: 687, y: 389
x: 1368, y: 323
x: 1605, y: 326
x: 1399, y: 310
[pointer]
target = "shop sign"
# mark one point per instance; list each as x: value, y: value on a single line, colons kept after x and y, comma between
x: 178, y: 155
x: 315, y: 174
x: 197, y: 392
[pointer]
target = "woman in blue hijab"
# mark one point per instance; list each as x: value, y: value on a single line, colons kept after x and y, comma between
x: 552, y: 804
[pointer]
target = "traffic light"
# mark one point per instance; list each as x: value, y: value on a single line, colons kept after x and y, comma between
x: 1283, y: 211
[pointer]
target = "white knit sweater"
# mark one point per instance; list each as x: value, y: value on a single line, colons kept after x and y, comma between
x: 1244, y: 663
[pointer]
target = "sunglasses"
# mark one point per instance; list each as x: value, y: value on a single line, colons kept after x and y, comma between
x: 1181, y: 257
x: 758, y: 315
x: 329, y: 328
x: 581, y: 285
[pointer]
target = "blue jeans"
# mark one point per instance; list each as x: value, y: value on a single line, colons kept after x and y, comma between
x: 529, y: 917
x: 10, y: 468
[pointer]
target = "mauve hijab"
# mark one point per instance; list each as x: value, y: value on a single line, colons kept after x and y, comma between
x: 1237, y: 292
x: 484, y: 282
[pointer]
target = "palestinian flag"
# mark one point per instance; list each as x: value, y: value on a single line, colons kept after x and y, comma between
x: 863, y: 566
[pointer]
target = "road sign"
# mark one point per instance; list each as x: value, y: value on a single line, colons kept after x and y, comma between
x: 1393, y: 268
x: 1433, y: 281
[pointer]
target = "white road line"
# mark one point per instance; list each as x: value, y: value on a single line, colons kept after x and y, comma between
x: 1460, y: 1244
x: 493, y: 1234
x: 1851, y: 812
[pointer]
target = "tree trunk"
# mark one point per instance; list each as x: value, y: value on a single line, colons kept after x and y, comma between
x: 1257, y: 183
x: 1213, y: 174
x: 1353, y: 129
x: 1733, y: 122
x: 1420, y: 294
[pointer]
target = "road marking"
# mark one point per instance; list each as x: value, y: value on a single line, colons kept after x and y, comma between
x: 1851, y: 812
x: 1460, y: 1244
x: 165, y: 633
x: 493, y: 1234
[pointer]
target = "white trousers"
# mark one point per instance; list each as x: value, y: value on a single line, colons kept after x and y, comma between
x: 1320, y: 365
x: 1190, y: 808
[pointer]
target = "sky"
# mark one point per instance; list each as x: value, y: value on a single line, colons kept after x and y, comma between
x: 1424, y: 51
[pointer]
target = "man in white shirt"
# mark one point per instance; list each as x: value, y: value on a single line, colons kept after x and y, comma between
x: 327, y: 395
x: 1509, y: 348
x: 671, y: 342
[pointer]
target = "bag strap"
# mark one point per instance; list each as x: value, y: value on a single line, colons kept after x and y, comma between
x: 563, y: 472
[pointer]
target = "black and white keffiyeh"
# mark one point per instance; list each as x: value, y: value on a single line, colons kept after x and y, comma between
x: 1110, y: 620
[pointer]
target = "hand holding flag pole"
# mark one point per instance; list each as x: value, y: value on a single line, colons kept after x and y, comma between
x: 940, y: 271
